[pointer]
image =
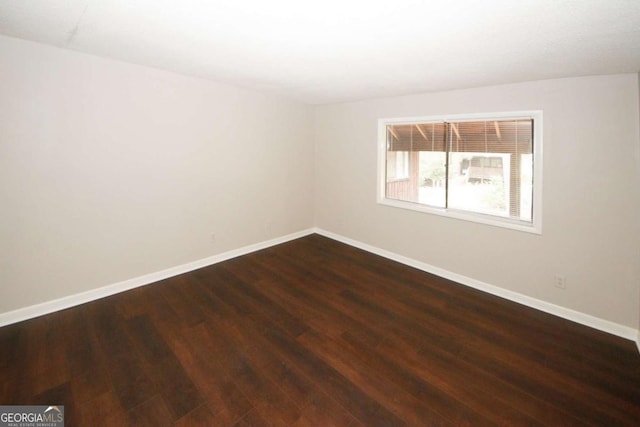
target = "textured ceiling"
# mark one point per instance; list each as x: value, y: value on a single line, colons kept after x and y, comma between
x: 339, y: 50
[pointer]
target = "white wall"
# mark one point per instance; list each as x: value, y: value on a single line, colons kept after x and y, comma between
x: 591, y: 221
x: 109, y: 171
x: 638, y: 182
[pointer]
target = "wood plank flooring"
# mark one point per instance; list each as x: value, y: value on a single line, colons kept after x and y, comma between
x: 317, y: 333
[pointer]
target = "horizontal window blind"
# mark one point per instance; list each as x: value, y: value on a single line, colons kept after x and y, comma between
x: 481, y: 166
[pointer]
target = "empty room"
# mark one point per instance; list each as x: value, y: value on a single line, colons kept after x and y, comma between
x: 338, y: 213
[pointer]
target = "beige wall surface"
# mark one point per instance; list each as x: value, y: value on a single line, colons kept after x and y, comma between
x: 109, y: 171
x: 637, y: 156
x: 591, y: 205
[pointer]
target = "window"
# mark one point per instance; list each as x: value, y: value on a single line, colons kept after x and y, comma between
x: 483, y: 168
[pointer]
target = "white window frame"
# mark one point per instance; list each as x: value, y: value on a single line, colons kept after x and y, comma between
x: 531, y: 227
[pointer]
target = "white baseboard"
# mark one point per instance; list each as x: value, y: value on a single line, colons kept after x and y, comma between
x: 105, y: 291
x: 566, y: 313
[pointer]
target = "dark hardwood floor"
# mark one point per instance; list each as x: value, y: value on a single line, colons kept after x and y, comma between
x: 317, y: 333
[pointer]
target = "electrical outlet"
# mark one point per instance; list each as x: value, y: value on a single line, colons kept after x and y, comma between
x: 213, y: 237
x: 560, y: 282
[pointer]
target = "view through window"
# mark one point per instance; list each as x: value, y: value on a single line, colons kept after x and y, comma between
x: 472, y: 166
